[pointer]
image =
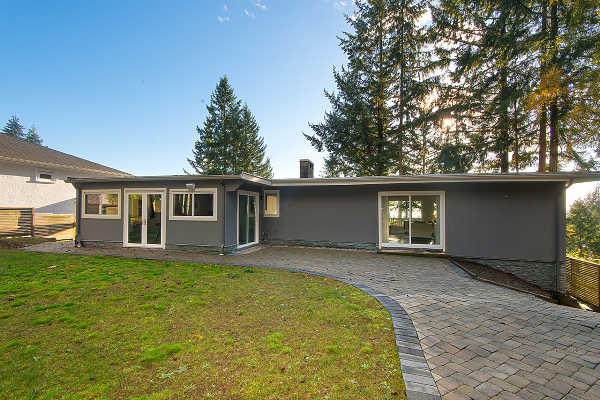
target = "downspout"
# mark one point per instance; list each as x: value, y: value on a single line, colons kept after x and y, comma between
x: 224, y: 212
x: 77, y: 238
x: 558, y: 210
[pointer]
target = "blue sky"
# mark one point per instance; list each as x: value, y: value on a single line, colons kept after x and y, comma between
x: 124, y: 83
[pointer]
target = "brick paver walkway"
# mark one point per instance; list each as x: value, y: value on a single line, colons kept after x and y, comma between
x: 480, y: 341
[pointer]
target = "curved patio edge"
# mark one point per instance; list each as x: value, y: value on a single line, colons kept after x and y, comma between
x: 416, y: 373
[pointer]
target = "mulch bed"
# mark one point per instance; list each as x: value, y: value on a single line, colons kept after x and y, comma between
x: 502, y: 278
x: 19, y: 242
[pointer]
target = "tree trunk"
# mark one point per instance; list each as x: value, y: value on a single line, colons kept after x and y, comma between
x: 504, y: 121
x: 516, y: 130
x: 553, y: 167
x: 543, y: 112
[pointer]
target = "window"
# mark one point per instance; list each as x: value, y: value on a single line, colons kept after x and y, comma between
x: 101, y: 204
x: 271, y: 203
x: 200, y: 204
x: 45, y: 176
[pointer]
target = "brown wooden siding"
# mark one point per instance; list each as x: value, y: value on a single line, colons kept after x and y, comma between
x: 583, y: 280
x: 16, y: 222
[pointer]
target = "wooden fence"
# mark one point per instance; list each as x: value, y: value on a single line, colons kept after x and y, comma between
x: 583, y: 280
x: 25, y: 222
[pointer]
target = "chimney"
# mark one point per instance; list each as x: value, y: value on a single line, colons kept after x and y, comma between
x: 306, y: 169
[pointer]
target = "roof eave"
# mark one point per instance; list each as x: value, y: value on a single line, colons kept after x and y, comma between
x: 62, y: 166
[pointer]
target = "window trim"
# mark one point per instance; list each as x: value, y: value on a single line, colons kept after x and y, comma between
x: 101, y: 191
x: 44, y: 180
x: 212, y: 191
x: 265, y: 192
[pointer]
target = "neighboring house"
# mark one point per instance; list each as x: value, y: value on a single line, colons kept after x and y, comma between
x: 33, y: 176
x: 515, y: 222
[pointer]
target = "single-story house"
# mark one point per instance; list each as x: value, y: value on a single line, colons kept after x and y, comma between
x: 515, y: 222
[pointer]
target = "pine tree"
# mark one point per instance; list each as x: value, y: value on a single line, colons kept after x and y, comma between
x: 33, y: 136
x: 490, y: 68
x: 14, y: 128
x: 373, y: 128
x: 229, y: 141
x: 252, y: 147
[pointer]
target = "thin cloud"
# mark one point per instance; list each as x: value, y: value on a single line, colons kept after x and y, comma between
x: 226, y: 10
x: 248, y: 13
x: 257, y: 4
x: 222, y: 19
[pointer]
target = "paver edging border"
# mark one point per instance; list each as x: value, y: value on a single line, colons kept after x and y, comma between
x: 416, y: 374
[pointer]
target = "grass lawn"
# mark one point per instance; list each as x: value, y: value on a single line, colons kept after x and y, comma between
x: 80, y: 327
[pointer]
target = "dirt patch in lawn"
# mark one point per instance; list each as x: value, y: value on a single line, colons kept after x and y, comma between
x: 20, y: 242
x: 502, y: 278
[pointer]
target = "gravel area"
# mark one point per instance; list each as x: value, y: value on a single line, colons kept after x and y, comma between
x: 502, y: 278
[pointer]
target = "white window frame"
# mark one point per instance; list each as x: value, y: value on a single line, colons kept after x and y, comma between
x: 44, y: 180
x: 441, y: 220
x: 163, y: 225
x: 102, y: 191
x: 212, y: 191
x: 256, y: 218
x: 276, y: 192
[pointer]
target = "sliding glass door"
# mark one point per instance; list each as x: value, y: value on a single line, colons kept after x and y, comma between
x: 247, y: 218
x: 411, y: 219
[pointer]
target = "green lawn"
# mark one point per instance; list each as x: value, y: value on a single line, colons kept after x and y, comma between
x: 80, y: 327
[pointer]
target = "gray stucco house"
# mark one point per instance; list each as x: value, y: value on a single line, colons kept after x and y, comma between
x: 515, y: 222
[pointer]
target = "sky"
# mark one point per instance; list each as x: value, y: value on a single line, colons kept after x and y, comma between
x: 125, y: 83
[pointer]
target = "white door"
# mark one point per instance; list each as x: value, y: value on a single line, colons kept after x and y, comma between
x: 145, y: 219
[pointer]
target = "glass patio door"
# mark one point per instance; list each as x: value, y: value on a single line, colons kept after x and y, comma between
x: 411, y: 219
x: 247, y: 219
x: 144, y: 224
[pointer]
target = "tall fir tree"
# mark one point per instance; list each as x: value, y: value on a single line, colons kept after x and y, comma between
x: 374, y: 119
x: 229, y: 141
x: 484, y: 46
x: 33, y: 136
x: 14, y: 128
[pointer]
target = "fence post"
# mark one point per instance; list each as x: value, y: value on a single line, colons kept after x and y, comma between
x: 32, y: 223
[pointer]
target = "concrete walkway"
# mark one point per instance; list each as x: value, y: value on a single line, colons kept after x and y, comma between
x: 479, y: 341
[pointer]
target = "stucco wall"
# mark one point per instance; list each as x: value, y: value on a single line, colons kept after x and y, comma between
x: 19, y: 188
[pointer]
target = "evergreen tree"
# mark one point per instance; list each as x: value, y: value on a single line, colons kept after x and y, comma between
x: 252, y: 147
x: 14, y: 128
x: 229, y: 141
x: 33, y: 136
x: 373, y: 128
x: 485, y: 47
x: 583, y: 227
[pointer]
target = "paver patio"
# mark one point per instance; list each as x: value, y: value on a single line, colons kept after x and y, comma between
x: 480, y: 341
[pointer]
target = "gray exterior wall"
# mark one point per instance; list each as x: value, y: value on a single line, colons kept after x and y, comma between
x: 177, y: 232
x: 513, y: 221
x: 500, y: 221
x: 324, y: 214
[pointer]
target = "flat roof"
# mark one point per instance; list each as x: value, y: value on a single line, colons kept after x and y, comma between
x: 567, y: 177
x: 574, y: 177
x: 243, y: 176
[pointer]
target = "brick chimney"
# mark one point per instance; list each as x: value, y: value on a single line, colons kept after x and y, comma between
x: 306, y: 169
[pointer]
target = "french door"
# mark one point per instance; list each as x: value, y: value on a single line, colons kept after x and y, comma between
x: 247, y: 218
x: 145, y: 219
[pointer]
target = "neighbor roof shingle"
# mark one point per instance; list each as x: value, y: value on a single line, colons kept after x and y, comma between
x: 17, y: 150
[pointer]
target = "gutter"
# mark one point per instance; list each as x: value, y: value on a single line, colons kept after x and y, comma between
x: 224, y: 213
x: 558, y: 252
